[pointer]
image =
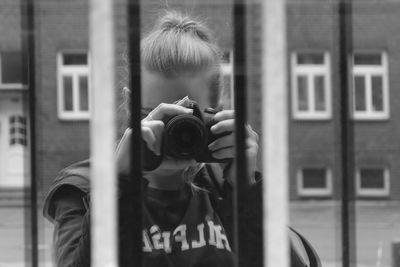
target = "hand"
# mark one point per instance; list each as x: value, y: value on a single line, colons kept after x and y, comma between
x: 225, y: 146
x: 152, y: 131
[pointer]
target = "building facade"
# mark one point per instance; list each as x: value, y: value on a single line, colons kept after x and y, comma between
x: 14, y: 122
x: 63, y: 89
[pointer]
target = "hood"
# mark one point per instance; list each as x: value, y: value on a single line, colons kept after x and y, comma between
x: 76, y: 175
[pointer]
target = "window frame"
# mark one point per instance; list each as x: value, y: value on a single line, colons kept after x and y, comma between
x: 385, y: 192
x: 75, y: 71
x: 311, y: 71
x: 367, y: 71
x: 10, y: 86
x: 315, y: 192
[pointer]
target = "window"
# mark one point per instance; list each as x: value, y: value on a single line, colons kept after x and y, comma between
x: 227, y: 79
x: 311, y: 92
x: 18, y: 130
x: 372, y: 181
x: 314, y: 181
x: 73, y: 86
x: 370, y: 86
x: 12, y: 70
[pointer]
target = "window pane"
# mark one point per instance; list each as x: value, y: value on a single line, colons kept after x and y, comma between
x: 314, y: 178
x: 302, y: 84
x: 360, y: 97
x: 84, y: 93
x: 319, y: 87
x: 12, y: 68
x: 367, y: 59
x: 12, y: 119
x: 68, y: 98
x: 372, y: 178
x: 75, y: 59
x: 310, y: 59
x: 377, y: 93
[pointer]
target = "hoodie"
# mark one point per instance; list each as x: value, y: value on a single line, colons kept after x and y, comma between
x: 188, y: 228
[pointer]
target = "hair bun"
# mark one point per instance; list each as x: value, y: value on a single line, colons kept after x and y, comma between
x: 174, y: 21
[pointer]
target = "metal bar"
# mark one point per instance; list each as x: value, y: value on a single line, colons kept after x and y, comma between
x: 28, y: 52
x: 103, y: 135
x: 346, y: 134
x: 135, y: 125
x: 240, y: 101
x: 275, y: 134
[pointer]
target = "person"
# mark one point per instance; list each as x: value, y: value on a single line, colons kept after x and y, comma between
x: 187, y: 204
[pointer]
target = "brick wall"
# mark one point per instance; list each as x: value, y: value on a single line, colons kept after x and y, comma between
x: 311, y: 25
x: 60, y: 26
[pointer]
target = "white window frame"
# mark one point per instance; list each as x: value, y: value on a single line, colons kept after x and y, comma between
x: 314, y: 192
x: 227, y: 69
x: 310, y: 71
x: 75, y: 71
x: 385, y: 192
x: 9, y: 86
x: 367, y: 71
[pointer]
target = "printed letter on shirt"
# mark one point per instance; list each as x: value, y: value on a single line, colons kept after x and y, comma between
x: 167, y: 243
x: 146, y: 242
x: 201, y: 242
x: 156, y: 237
x: 221, y: 238
x: 181, y: 237
x: 211, y: 240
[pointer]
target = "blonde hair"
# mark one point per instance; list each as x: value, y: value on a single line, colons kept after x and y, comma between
x: 179, y: 44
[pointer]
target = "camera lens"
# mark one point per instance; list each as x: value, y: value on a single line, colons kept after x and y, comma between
x: 185, y: 137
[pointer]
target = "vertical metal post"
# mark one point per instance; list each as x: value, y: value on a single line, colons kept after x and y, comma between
x: 103, y: 134
x: 135, y: 124
x: 240, y: 98
x: 275, y: 134
x: 396, y: 253
x: 28, y: 52
x: 346, y: 134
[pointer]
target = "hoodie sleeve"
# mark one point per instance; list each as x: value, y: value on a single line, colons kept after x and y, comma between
x: 71, y: 221
x: 71, y: 228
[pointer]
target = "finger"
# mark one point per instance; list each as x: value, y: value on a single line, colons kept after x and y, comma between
x: 225, y: 153
x: 157, y: 128
x: 183, y: 101
x: 229, y: 152
x: 229, y: 140
x: 163, y: 110
x: 150, y: 139
x: 222, y: 142
x: 223, y: 126
x: 224, y: 115
x: 250, y: 143
x: 124, y: 139
x: 251, y: 133
x: 252, y: 151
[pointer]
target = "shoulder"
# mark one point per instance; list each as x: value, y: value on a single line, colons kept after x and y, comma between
x: 75, y: 176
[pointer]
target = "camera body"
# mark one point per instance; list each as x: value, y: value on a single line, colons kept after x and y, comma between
x: 185, y: 136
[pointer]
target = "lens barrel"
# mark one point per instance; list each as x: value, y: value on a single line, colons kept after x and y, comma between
x: 185, y: 137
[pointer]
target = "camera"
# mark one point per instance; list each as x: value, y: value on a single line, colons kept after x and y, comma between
x: 185, y: 136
